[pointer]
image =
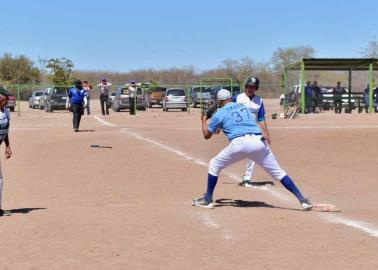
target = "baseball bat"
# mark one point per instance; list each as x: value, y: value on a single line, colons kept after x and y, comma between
x: 100, y: 146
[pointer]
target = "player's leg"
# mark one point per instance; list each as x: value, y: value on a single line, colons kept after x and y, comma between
x: 226, y: 157
x: 2, y: 212
x: 247, y: 178
x: 266, y: 159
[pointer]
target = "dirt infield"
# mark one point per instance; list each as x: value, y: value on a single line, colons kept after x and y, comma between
x: 78, y: 207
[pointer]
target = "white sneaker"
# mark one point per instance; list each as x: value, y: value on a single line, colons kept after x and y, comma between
x: 201, y: 202
x: 306, y: 205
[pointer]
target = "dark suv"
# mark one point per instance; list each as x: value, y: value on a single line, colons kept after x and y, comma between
x: 56, y: 99
x: 235, y: 90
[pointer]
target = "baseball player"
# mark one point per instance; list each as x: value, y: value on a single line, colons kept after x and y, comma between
x: 4, y: 136
x: 256, y: 106
x: 246, y: 141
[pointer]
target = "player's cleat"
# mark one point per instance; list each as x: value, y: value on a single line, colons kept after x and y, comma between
x: 201, y: 202
x: 306, y: 205
x: 5, y: 213
x: 246, y: 183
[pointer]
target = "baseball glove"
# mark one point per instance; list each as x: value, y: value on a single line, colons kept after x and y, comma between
x: 209, y: 109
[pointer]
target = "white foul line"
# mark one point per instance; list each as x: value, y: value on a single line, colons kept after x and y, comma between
x: 365, y: 227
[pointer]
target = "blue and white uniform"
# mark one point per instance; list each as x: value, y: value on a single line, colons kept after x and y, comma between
x: 256, y: 106
x: 241, y: 128
x: 4, y: 129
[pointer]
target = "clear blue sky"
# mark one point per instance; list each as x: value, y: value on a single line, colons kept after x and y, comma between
x: 129, y: 35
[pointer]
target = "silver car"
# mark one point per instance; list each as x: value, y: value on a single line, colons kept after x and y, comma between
x: 175, y: 98
x: 121, y: 99
x: 34, y: 98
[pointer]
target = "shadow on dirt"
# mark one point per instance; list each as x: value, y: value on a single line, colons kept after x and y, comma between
x: 24, y: 210
x: 241, y: 203
x: 254, y: 183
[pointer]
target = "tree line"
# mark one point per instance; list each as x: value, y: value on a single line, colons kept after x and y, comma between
x: 60, y: 71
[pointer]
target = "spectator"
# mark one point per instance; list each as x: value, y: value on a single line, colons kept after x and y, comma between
x: 104, y: 95
x: 132, y: 96
x: 375, y: 98
x: 308, y: 97
x: 366, y: 98
x: 338, y: 91
x: 87, y: 88
x: 317, y: 99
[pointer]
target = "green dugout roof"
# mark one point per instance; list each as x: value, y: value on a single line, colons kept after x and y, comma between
x: 335, y: 64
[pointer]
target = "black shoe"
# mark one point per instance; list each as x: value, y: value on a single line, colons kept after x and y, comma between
x: 76, y: 130
x: 5, y: 213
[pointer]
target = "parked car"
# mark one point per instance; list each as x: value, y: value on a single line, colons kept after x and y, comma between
x: 56, y: 99
x: 234, y: 89
x: 41, y: 101
x: 175, y: 98
x: 200, y: 95
x: 111, y: 99
x: 34, y: 98
x: 11, y: 102
x: 121, y: 99
x: 156, y: 97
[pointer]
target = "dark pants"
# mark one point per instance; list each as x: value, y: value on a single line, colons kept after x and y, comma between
x: 104, y: 104
x: 88, y: 104
x: 77, y: 110
x: 132, y: 105
x: 309, y: 105
x: 338, y: 103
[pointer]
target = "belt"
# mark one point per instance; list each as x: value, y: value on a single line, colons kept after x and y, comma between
x: 248, y: 134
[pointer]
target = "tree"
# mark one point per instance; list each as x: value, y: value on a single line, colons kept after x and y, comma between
x: 18, y: 69
x: 239, y: 70
x: 371, y: 50
x: 60, y: 69
x: 283, y: 57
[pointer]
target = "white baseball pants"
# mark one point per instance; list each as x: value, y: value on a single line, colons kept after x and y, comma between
x: 251, y: 147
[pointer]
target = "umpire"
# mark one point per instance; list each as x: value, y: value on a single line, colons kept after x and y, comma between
x: 77, y: 95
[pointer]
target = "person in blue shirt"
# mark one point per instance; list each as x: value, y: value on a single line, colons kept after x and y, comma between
x: 246, y: 142
x: 308, y: 97
x: 77, y: 97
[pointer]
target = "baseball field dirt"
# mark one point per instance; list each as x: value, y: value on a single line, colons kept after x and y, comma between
x: 129, y: 207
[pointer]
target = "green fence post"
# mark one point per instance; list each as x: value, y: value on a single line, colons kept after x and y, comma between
x: 302, y: 78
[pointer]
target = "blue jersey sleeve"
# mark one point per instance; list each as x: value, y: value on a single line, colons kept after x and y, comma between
x: 261, y: 113
x: 215, y: 123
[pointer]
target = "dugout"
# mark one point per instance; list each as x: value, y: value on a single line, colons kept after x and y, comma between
x: 335, y: 64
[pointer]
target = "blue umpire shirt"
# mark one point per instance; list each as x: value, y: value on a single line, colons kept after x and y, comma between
x: 76, y: 96
x: 236, y: 120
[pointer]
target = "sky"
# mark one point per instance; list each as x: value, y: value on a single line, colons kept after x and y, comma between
x: 123, y: 36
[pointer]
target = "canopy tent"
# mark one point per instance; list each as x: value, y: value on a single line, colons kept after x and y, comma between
x: 336, y: 64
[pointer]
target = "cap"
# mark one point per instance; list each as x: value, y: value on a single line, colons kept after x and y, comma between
x: 132, y: 82
x: 223, y: 94
x: 4, y: 92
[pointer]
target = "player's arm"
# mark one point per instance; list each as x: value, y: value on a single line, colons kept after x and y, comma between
x: 262, y: 123
x: 205, y: 130
x: 8, y: 151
